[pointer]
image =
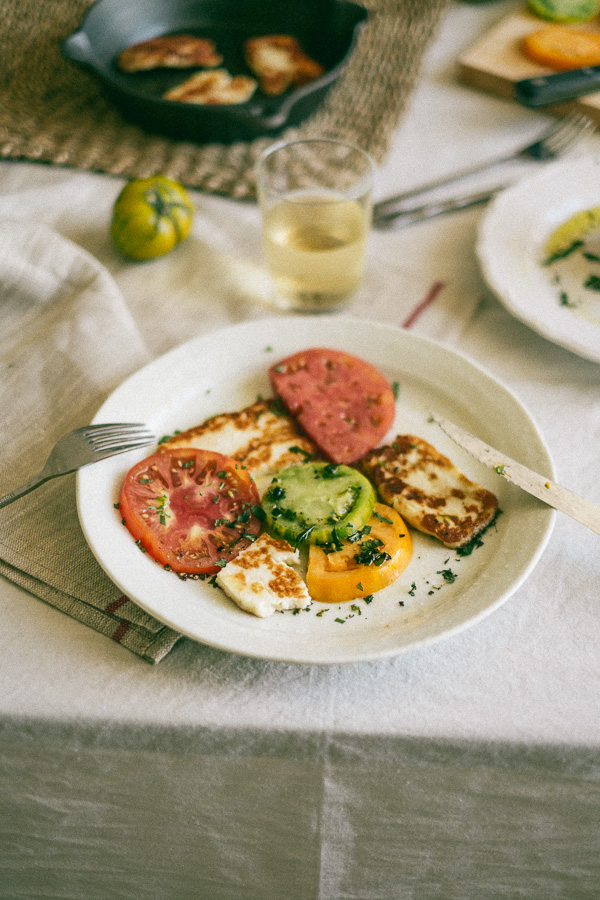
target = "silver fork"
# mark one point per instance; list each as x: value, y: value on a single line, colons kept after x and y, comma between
x: 557, y: 140
x: 83, y: 446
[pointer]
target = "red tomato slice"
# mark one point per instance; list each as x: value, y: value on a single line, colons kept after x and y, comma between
x: 192, y: 510
x: 343, y: 403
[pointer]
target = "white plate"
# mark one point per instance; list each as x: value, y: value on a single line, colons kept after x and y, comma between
x: 225, y: 371
x: 510, y: 248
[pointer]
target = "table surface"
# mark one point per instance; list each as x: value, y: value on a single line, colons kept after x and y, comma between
x: 526, y: 675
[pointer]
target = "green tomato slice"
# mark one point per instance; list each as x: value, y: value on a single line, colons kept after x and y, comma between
x: 317, y: 503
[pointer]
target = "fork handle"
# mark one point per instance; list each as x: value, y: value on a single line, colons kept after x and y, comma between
x: 30, y: 485
x: 438, y: 208
x: 390, y: 206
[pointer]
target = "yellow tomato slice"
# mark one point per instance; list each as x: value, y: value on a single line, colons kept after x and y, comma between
x: 339, y: 576
x: 561, y: 47
x: 574, y: 229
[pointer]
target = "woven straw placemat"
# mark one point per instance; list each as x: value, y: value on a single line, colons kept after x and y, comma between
x: 53, y: 111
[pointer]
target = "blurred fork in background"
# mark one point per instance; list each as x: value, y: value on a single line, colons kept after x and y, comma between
x: 562, y: 137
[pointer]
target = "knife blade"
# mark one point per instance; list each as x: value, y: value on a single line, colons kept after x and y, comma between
x: 552, y: 494
x: 545, y: 89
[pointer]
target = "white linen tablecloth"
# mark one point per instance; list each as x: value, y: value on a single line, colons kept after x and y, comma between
x: 466, y: 769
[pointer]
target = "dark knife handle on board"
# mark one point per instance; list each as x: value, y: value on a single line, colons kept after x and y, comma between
x: 546, y: 89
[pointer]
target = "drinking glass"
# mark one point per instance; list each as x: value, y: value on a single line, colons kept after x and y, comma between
x: 315, y: 197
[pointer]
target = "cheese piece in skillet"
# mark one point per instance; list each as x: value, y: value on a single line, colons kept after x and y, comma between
x: 279, y: 62
x: 428, y: 491
x: 172, y: 51
x: 215, y: 87
x: 261, y: 437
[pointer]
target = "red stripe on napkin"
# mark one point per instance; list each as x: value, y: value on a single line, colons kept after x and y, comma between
x: 427, y: 300
x: 120, y: 632
x: 116, y: 604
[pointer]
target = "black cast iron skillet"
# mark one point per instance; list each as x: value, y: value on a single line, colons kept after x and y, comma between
x: 326, y: 29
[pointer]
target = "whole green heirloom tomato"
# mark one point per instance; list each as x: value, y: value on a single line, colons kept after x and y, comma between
x: 150, y: 217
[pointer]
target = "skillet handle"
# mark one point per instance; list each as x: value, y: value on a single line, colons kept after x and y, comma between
x: 77, y: 47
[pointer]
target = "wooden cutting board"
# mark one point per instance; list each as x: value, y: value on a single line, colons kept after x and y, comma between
x: 496, y: 62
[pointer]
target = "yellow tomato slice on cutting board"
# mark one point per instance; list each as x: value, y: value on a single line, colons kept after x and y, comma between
x: 561, y: 48
x: 361, y: 567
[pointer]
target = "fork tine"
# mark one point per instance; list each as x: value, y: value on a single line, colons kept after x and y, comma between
x: 114, y: 437
x: 120, y: 447
x: 112, y: 428
x: 573, y: 126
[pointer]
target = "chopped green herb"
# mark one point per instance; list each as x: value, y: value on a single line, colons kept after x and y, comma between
x: 369, y: 553
x: 167, y: 437
x: 448, y: 575
x: 368, y: 598
x: 277, y: 408
x: 305, y: 453
x: 564, y: 299
x: 593, y: 282
x: 383, y: 519
x: 341, y: 621
x: 477, y: 541
x: 276, y: 492
x: 413, y: 589
x: 562, y: 254
x: 499, y: 469
x: 396, y: 389
x: 304, y: 536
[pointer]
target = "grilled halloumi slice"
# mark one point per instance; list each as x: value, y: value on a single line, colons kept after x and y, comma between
x: 278, y: 61
x: 428, y: 491
x: 261, y: 437
x: 172, y: 51
x: 261, y: 579
x: 215, y: 88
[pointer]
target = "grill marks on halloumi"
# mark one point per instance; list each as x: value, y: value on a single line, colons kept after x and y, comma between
x: 428, y: 491
x: 261, y: 579
x: 259, y: 437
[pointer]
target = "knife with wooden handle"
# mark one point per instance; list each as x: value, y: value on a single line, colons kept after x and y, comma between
x: 554, y: 495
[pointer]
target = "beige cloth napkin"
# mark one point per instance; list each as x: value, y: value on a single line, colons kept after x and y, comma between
x: 67, y: 340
